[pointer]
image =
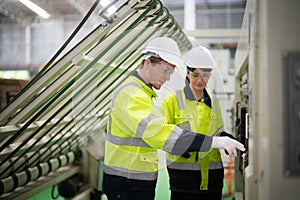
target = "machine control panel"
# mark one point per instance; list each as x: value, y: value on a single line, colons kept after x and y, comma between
x: 291, y: 107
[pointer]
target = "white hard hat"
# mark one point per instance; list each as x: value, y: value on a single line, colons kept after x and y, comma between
x: 166, y: 48
x: 199, y: 57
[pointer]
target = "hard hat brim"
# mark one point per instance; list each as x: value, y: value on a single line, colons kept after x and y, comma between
x: 172, y: 59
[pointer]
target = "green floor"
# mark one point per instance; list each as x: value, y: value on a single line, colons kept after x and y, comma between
x: 162, y: 190
x: 46, y: 195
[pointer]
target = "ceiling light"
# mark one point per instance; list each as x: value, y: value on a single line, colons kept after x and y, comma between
x: 35, y: 8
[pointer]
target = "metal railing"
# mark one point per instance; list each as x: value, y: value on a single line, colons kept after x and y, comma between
x: 69, y: 98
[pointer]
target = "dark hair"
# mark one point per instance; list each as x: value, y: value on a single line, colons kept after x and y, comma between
x: 153, y: 59
x: 188, y: 69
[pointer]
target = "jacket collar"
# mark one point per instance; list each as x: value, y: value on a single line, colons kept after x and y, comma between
x: 135, y: 73
x: 146, y: 86
x: 189, y: 95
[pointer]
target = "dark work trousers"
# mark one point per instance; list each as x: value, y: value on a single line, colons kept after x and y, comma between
x: 121, y: 188
x: 216, y: 195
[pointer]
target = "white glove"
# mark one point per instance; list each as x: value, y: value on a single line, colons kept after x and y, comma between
x: 230, y: 145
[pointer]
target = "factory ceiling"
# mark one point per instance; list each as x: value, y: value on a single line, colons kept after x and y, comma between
x: 15, y: 12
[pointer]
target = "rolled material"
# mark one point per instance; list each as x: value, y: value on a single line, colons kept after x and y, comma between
x: 19, y: 179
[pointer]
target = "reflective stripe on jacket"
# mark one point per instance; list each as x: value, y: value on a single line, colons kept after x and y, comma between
x: 181, y: 108
x: 136, y: 129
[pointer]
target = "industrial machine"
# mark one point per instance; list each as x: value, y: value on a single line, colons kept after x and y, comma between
x: 52, y: 132
x: 266, y: 112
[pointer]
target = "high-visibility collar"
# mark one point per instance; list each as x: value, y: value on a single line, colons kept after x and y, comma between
x: 146, y: 86
x: 189, y: 95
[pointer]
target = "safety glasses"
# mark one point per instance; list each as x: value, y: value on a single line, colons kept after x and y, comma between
x: 165, y: 68
x: 204, y: 75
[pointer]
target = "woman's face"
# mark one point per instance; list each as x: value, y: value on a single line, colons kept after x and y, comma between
x: 198, y: 79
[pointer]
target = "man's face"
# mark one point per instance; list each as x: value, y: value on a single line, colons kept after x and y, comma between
x: 159, y: 73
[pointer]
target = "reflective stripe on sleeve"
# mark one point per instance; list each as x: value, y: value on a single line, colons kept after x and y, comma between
x: 173, y: 139
x: 125, y: 141
x: 144, y: 123
x: 206, y: 145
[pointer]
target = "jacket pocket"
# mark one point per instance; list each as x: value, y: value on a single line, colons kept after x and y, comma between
x: 150, y: 157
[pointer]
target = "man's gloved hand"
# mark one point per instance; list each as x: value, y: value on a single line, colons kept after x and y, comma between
x: 223, y: 134
x: 228, y: 144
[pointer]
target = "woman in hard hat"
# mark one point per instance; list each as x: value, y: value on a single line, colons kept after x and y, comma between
x: 136, y: 129
x: 196, y: 175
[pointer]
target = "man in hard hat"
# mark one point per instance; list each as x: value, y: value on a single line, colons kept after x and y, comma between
x: 196, y: 175
x: 136, y: 129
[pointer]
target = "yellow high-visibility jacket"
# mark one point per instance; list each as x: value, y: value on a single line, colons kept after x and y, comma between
x: 204, y: 116
x: 136, y: 129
